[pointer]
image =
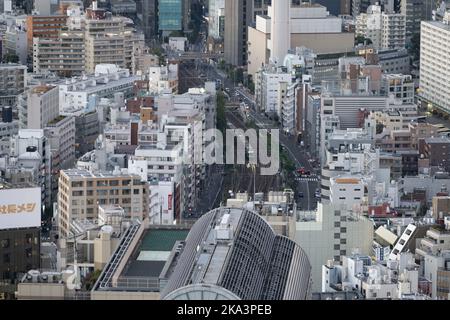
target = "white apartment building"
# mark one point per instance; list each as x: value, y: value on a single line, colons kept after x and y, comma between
x: 42, y: 106
x: 400, y: 86
x: 84, y: 93
x: 15, y: 42
x: 347, y: 192
x: 29, y: 159
x: 357, y: 273
x: 434, y: 57
x: 163, y: 78
x: 386, y: 30
x: 178, y: 43
x: 216, y: 18
x: 271, y: 84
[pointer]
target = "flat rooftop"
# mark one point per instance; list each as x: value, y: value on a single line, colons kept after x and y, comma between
x: 153, y: 251
x: 142, y: 262
x: 42, y: 89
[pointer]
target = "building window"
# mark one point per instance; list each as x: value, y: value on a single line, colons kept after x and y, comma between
x: 136, y: 191
x: 5, y: 243
x: 6, y: 258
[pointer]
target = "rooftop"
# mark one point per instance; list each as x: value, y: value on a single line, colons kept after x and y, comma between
x: 42, y: 89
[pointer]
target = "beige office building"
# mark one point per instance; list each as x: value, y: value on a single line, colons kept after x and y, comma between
x: 64, y: 55
x: 310, y: 26
x: 81, y: 192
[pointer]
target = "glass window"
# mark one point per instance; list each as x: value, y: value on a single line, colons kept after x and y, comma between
x: 5, y: 243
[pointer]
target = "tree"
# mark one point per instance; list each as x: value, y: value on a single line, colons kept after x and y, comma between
x: 11, y: 58
x: 176, y: 34
x: 380, y: 128
x: 360, y: 39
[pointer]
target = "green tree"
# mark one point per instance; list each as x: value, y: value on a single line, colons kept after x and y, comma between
x: 11, y: 58
x: 380, y: 128
x: 177, y: 33
x: 362, y: 40
x: 221, y: 119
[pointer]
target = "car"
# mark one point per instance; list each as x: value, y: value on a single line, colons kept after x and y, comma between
x: 301, y: 195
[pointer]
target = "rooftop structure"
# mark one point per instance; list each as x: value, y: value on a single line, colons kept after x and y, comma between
x: 212, y: 261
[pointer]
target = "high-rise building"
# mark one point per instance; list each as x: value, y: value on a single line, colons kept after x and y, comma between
x: 216, y: 18
x: 149, y: 18
x: 239, y: 15
x: 434, y: 56
x: 242, y: 258
x: 170, y: 16
x: 413, y: 10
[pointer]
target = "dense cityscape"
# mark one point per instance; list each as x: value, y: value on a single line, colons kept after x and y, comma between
x: 225, y: 150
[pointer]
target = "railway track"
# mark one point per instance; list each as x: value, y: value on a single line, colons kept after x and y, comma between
x: 242, y: 177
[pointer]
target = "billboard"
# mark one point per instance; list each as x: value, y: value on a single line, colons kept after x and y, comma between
x: 20, y: 208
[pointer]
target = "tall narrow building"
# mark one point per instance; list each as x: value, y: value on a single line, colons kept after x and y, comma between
x: 239, y: 16
x: 280, y: 42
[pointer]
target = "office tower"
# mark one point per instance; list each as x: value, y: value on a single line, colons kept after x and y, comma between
x: 413, y: 10
x: 434, y: 58
x: 333, y: 6
x: 149, y: 18
x: 234, y: 254
x: 239, y: 15
x: 170, y: 16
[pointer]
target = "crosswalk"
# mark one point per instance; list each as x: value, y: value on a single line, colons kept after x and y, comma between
x: 309, y: 179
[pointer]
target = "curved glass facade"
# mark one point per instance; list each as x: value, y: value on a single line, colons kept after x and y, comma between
x: 235, y: 254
